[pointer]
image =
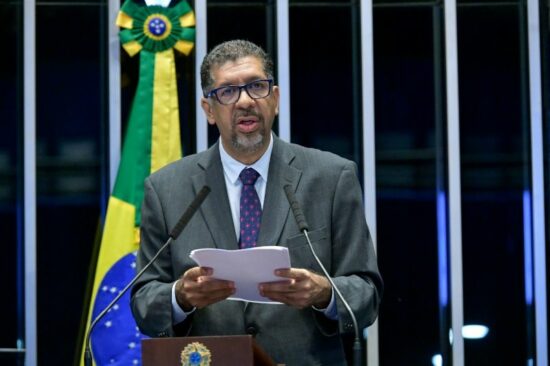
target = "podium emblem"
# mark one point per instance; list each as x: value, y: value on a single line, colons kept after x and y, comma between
x: 195, y: 354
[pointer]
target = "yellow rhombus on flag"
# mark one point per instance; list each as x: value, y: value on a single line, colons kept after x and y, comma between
x: 152, y: 141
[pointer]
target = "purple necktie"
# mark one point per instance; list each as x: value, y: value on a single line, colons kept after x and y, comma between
x: 251, y: 209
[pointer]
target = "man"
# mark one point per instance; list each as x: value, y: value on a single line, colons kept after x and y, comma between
x: 177, y: 298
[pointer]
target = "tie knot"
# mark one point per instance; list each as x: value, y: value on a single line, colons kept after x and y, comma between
x: 249, y: 176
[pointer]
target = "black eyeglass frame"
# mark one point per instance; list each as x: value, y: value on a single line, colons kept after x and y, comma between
x: 214, y: 92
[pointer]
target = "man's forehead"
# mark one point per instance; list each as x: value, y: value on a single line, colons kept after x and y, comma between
x: 232, y: 63
x: 247, y: 64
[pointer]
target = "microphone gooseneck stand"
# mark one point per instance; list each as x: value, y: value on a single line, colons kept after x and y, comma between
x: 303, y: 227
x: 176, y: 231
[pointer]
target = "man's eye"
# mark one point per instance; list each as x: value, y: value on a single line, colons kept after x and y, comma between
x: 226, y: 92
x: 257, y: 85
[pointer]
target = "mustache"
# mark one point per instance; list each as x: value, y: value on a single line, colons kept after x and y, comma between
x: 245, y: 113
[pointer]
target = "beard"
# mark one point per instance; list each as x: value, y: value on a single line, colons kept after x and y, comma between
x: 252, y: 142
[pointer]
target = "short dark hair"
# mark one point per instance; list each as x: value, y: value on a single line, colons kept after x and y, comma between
x: 232, y: 51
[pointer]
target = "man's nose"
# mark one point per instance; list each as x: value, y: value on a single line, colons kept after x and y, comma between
x: 244, y: 101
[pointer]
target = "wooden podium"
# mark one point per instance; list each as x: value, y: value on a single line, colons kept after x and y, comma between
x: 224, y: 351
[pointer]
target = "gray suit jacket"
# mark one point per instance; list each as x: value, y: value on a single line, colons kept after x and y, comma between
x: 329, y: 192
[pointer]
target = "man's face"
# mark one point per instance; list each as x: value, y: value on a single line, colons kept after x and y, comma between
x: 244, y: 126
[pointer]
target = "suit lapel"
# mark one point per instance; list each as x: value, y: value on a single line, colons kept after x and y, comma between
x: 276, y: 207
x: 215, y: 209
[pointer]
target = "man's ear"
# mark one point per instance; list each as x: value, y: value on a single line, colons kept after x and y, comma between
x: 207, y: 108
x: 276, y: 95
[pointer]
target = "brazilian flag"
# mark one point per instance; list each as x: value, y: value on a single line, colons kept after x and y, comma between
x: 152, y: 140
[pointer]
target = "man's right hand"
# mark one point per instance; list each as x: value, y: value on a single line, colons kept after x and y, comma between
x: 196, y: 288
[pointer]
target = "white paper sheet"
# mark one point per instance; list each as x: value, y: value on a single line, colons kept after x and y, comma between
x: 245, y: 267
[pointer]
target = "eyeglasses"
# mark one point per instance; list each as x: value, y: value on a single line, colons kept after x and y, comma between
x: 230, y: 94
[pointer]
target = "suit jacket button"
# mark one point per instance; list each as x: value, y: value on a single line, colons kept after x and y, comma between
x: 251, y: 330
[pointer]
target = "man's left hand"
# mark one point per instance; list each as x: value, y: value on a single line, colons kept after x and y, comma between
x: 302, y: 289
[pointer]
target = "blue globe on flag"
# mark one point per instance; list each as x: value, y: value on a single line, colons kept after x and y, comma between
x: 116, y: 339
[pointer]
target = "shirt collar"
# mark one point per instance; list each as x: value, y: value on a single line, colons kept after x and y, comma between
x: 232, y: 168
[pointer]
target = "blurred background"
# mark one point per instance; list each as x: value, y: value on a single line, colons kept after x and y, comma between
x: 498, y: 222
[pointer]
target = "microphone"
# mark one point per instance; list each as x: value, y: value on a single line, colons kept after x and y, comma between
x: 303, y: 227
x: 176, y: 231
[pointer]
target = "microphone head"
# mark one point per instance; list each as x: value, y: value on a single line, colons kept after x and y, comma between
x: 296, y: 210
x: 205, y: 190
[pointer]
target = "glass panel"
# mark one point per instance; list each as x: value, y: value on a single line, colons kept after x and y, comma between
x: 322, y: 81
x: 185, y: 75
x: 495, y: 2
x: 406, y: 151
x: 71, y: 152
x: 12, y: 359
x: 224, y: 25
x: 404, y: 3
x: 318, y: 3
x: 495, y: 175
x: 74, y: 3
x: 11, y: 182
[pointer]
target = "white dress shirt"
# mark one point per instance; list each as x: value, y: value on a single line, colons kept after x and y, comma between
x: 231, y: 170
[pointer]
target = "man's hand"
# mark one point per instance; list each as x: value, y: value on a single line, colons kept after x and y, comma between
x: 197, y: 289
x: 302, y: 289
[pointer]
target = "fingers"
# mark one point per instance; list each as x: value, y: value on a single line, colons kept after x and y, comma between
x: 193, y: 274
x: 196, y: 288
x: 296, y: 273
x: 301, y: 288
x: 285, y: 293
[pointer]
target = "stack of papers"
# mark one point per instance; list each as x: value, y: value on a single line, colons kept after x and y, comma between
x: 247, y: 268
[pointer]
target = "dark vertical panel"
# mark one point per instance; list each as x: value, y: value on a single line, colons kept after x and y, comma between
x: 319, y: 3
x: 185, y: 74
x: 325, y: 81
x: 321, y: 78
x: 356, y: 81
x: 11, y: 122
x: 82, y: 2
x: 495, y: 168
x: 406, y: 183
x: 71, y: 93
x: 240, y: 20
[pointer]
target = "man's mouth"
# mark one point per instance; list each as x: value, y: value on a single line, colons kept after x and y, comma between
x: 247, y: 124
